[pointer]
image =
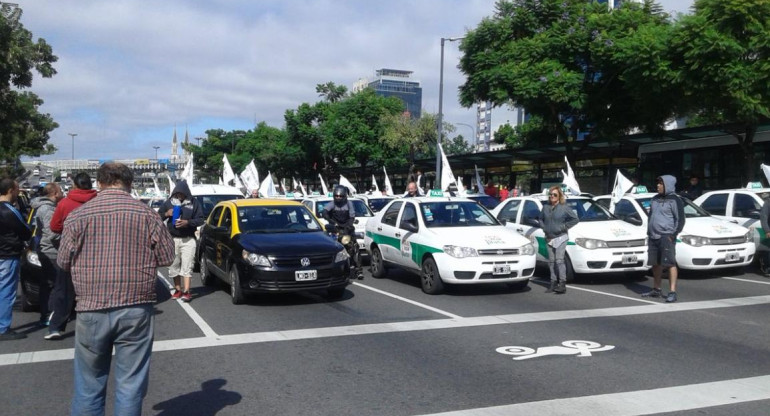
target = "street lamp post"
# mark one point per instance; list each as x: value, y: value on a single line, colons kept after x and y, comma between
x: 156, y: 153
x: 440, y: 103
x: 73, y: 144
x: 475, y: 138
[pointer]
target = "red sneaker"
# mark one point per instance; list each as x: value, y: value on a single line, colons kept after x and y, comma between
x: 186, y: 297
x: 177, y: 294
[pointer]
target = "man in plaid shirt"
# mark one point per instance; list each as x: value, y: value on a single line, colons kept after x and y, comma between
x: 112, y: 245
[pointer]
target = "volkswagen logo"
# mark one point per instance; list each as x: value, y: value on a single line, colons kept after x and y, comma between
x: 305, y: 262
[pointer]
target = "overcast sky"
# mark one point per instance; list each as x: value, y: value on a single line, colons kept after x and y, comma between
x: 131, y: 71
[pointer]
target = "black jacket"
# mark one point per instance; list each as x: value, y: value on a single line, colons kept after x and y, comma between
x: 13, y: 232
x: 191, y: 211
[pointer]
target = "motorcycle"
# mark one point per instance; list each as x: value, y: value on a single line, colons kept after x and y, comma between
x: 346, y: 237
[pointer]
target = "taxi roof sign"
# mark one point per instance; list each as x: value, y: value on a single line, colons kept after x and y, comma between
x: 639, y: 189
x: 436, y: 192
x: 754, y: 185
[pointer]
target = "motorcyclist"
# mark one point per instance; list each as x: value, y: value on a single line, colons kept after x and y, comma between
x: 342, y: 214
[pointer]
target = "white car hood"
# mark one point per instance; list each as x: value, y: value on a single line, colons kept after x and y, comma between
x: 613, y: 230
x: 713, y: 228
x: 479, y: 238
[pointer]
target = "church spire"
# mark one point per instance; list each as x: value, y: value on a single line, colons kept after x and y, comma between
x: 174, y: 147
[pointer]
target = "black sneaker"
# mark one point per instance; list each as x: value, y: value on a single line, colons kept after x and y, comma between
x: 11, y: 335
x: 671, y: 298
x: 654, y: 293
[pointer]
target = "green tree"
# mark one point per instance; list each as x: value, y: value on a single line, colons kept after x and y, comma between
x: 415, y: 138
x: 331, y: 92
x: 353, y: 129
x: 724, y: 50
x: 23, y: 129
x: 456, y: 146
x: 303, y: 132
x: 558, y: 60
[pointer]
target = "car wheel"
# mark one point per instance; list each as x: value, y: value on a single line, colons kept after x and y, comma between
x: 571, y: 275
x: 518, y: 286
x: 377, y: 265
x: 236, y: 292
x: 430, y: 278
x: 206, y: 278
x: 335, y: 292
x: 26, y: 305
x: 764, y: 264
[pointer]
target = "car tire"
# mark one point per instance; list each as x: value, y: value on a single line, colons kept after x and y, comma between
x: 377, y: 265
x: 518, y: 286
x: 206, y: 278
x: 236, y: 292
x: 430, y: 278
x: 26, y: 305
x: 571, y: 275
x: 335, y: 292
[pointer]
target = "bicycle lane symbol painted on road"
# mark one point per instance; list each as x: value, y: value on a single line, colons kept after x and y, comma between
x: 579, y: 348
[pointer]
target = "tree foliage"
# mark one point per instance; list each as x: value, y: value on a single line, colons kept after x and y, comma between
x: 23, y: 129
x: 558, y: 59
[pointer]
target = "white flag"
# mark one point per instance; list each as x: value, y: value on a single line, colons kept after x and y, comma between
x: 220, y: 181
x: 187, y: 173
x: 478, y: 180
x: 250, y: 177
x: 766, y: 171
x: 388, y: 186
x: 237, y: 182
x: 570, y: 180
x: 622, y: 185
x: 447, y: 177
x: 302, y: 187
x: 171, y: 184
x: 421, y: 191
x: 157, y: 188
x: 267, y: 187
x: 346, y: 183
x: 323, y: 185
x: 294, y: 185
x: 376, y: 191
x: 460, y: 187
x: 227, y: 171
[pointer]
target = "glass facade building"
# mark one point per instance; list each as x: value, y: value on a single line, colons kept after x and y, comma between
x: 398, y: 83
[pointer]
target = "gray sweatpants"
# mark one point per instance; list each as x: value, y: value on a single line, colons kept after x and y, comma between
x: 556, y: 262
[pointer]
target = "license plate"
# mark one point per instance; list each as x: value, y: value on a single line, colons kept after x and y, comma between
x: 501, y: 269
x: 629, y: 259
x: 362, y: 246
x: 301, y: 275
x: 731, y: 257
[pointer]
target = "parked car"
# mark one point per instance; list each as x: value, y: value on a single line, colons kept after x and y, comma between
x: 447, y: 240
x: 376, y: 203
x: 270, y: 246
x: 599, y: 243
x: 706, y: 242
x: 31, y: 272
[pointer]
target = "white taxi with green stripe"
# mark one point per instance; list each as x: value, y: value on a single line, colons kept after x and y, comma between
x: 447, y: 240
x: 599, y: 243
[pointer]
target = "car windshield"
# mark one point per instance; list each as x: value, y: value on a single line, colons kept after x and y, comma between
x: 589, y: 210
x: 455, y: 214
x: 209, y: 201
x: 276, y: 219
x: 376, y: 204
x: 361, y: 209
x: 690, y: 209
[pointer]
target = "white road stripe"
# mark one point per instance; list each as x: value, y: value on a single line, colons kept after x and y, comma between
x: 605, y: 293
x: 747, y: 280
x: 641, y: 402
x: 407, y: 326
x: 191, y: 312
x: 422, y: 305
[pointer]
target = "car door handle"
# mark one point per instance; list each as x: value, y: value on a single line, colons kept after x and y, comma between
x: 398, y: 234
x: 521, y: 230
x: 379, y: 228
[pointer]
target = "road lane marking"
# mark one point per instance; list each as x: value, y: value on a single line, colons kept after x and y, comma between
x: 207, y: 330
x: 613, y: 295
x: 407, y: 326
x: 640, y: 402
x: 422, y: 305
x: 747, y: 280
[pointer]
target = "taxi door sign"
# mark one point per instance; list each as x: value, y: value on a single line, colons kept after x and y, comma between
x: 406, y: 248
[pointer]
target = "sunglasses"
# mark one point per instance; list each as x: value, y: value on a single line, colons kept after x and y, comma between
x: 554, y: 194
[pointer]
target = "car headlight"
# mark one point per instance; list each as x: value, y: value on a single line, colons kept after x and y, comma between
x: 460, y: 252
x: 750, y: 236
x: 341, y: 256
x: 590, y: 243
x: 256, y: 259
x: 527, y: 250
x: 33, y: 259
x: 694, y: 240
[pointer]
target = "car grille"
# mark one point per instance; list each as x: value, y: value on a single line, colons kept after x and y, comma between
x: 499, y: 252
x: 728, y: 241
x: 294, y: 261
x: 626, y: 243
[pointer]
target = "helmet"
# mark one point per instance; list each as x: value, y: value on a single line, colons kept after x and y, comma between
x: 340, y: 195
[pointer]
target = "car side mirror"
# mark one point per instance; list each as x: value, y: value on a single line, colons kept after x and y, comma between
x: 503, y: 220
x: 633, y: 219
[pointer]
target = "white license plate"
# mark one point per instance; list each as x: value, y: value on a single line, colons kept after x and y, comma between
x: 731, y: 257
x: 629, y: 259
x: 501, y: 269
x: 301, y: 275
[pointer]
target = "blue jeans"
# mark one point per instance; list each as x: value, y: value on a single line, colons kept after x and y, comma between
x: 130, y: 331
x: 9, y: 281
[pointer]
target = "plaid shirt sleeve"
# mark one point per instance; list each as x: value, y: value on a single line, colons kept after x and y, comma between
x: 162, y: 242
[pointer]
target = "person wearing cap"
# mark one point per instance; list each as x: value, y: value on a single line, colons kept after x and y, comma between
x: 666, y: 222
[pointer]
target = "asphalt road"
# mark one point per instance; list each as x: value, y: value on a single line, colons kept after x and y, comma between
x: 388, y: 349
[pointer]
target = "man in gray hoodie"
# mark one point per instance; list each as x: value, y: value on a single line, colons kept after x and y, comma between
x: 48, y: 248
x: 666, y: 222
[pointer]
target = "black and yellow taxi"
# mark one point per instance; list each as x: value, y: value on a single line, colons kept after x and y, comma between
x: 268, y: 246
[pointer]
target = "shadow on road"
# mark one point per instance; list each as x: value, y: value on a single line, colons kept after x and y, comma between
x: 207, y: 402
